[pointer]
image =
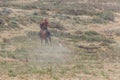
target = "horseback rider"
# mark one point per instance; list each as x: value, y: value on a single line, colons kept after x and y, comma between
x: 44, y: 25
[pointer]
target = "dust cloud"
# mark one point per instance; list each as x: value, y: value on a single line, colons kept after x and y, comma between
x: 50, y: 54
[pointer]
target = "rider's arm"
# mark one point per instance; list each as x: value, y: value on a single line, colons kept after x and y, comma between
x: 41, y: 25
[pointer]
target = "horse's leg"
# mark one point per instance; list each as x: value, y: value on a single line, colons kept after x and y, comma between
x: 49, y: 39
x: 41, y: 40
x: 46, y: 41
x: 49, y: 36
x: 40, y: 34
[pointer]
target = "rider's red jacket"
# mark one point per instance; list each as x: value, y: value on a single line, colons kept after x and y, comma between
x: 44, y: 25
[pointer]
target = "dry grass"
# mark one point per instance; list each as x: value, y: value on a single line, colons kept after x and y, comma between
x: 37, y: 61
x: 22, y: 57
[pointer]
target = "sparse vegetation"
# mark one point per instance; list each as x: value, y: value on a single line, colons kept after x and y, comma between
x: 57, y: 25
x: 98, y: 20
x: 91, y: 33
x: 72, y: 23
x: 2, y: 22
x: 6, y: 11
x: 14, y: 24
x: 109, y: 16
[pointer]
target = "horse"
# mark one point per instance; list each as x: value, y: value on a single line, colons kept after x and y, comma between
x: 45, y: 35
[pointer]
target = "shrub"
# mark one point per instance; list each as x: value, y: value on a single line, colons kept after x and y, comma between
x: 43, y: 12
x: 103, y: 17
x: 6, y: 11
x: 57, y: 25
x: 28, y: 7
x: 92, y: 33
x: 98, y: 20
x: 78, y: 12
x: 14, y: 24
x: 2, y: 21
x: 35, y: 18
x: 106, y: 16
x: 61, y: 16
x: 91, y: 38
x: 117, y: 32
x: 11, y: 73
x: 35, y: 13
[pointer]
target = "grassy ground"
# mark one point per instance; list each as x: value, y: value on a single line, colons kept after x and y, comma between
x: 86, y: 24
x: 57, y: 61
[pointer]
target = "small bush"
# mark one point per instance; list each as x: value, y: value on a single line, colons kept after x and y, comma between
x: 83, y: 21
x: 5, y: 40
x: 35, y: 13
x: 98, y: 20
x: 104, y: 44
x: 77, y: 20
x: 78, y: 12
x: 91, y: 38
x: 92, y: 33
x: 28, y: 7
x: 106, y: 16
x: 43, y: 12
x: 14, y: 24
x: 6, y: 11
x: 117, y: 32
x: 61, y: 16
x: 11, y: 73
x: 35, y: 18
x: 103, y: 17
x: 2, y: 21
x: 57, y: 25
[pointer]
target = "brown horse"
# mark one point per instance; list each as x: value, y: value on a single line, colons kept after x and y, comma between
x: 45, y: 35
